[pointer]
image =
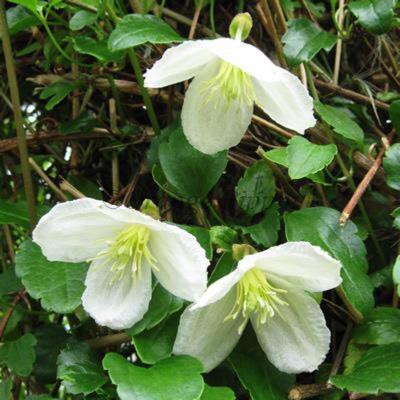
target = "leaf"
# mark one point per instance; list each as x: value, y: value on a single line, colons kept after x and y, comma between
x: 19, y: 19
x: 307, y: 158
x: 203, y: 238
x: 57, y: 92
x: 341, y: 123
x: 377, y: 371
x: 9, y: 282
x: 225, y: 265
x: 396, y: 215
x: 30, y: 4
x: 83, y: 124
x: 256, y: 189
x: 217, y: 393
x: 159, y: 178
x: 17, y: 213
x: 85, y: 186
x: 394, y: 114
x: 79, y: 369
x: 304, y: 40
x: 265, y: 233
x: 95, y: 48
x: 376, y: 16
x: 59, y: 285
x: 136, y: 29
x: 177, y: 378
x: 391, y: 165
x: 156, y: 344
x: 320, y: 226
x: 256, y: 373
x: 81, y: 19
x: 191, y: 172
x: 5, y: 389
x: 19, y: 355
x: 223, y: 237
x: 396, y: 274
x: 380, y: 326
x: 278, y: 156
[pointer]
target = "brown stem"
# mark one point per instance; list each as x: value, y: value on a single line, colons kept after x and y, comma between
x: 280, y: 16
x: 109, y: 340
x: 195, y: 20
x: 9, y: 312
x: 306, y: 391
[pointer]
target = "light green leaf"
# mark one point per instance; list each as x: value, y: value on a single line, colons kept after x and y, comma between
x: 95, y: 48
x: 217, y: 393
x: 59, y: 285
x: 81, y: 19
x: 341, y: 123
x: 223, y: 237
x: 19, y: 18
x: 391, y: 165
x: 394, y: 114
x: 377, y: 371
x: 320, y: 226
x: 306, y: 158
x: 30, y: 4
x: 177, y: 378
x: 256, y: 189
x: 19, y: 355
x: 304, y: 40
x: 136, y: 29
x: 376, y: 16
x: 278, y: 156
x: 396, y: 274
x: 79, y: 369
x: 57, y: 92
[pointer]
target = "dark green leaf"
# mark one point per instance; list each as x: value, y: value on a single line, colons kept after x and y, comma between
x: 217, y: 393
x: 81, y: 19
x: 320, y: 226
x: 304, y: 40
x: 19, y: 18
x: 177, y: 378
x: 95, y: 48
x: 85, y: 186
x: 59, y: 285
x: 5, y: 389
x: 391, y: 165
x: 57, y: 92
x: 256, y: 189
x: 9, y: 282
x: 17, y: 213
x: 225, y: 265
x: 83, y: 124
x: 394, y: 113
x: 79, y: 369
x: 396, y: 216
x: 396, y: 274
x: 136, y: 29
x: 223, y: 237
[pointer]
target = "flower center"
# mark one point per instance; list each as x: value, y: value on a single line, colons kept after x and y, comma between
x: 128, y: 250
x: 255, y: 295
x: 232, y: 83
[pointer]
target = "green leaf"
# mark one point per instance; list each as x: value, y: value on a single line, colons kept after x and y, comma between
x: 320, y: 226
x: 95, y: 48
x: 396, y: 274
x: 83, y: 124
x: 256, y: 373
x: 341, y: 123
x: 5, y: 389
x: 376, y: 16
x: 396, y: 215
x: 304, y: 40
x: 81, y: 19
x: 380, y: 326
x: 391, y: 165
x: 306, y: 158
x: 9, y: 282
x: 79, y: 369
x: 59, y: 285
x: 191, y: 172
x: 17, y: 213
x: 203, y: 237
x: 394, y: 114
x: 177, y: 378
x: 160, y: 179
x: 217, y: 393
x: 57, y: 92
x: 278, y: 156
x: 256, y: 189
x: 85, y: 186
x: 225, y: 265
x: 136, y: 29
x: 19, y: 18
x: 156, y: 344
x: 30, y: 4
x: 377, y: 371
x: 265, y: 233
x: 19, y: 355
x: 162, y: 304
x: 223, y: 237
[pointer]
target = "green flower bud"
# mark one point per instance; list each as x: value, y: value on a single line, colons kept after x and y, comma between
x: 150, y: 209
x: 241, y: 250
x: 240, y: 26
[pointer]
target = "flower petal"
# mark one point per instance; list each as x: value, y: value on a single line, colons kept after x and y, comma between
x: 76, y: 231
x: 178, y: 64
x: 181, y: 261
x: 298, y: 339
x: 210, y: 122
x: 306, y: 266
x: 204, y: 334
x: 286, y: 101
x: 119, y: 304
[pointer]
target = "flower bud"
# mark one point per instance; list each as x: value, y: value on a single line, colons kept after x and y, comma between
x: 150, y: 209
x: 240, y: 26
x: 241, y: 250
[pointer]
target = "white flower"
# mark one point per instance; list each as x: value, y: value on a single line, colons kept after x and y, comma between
x: 229, y: 76
x: 269, y: 289
x: 124, y: 247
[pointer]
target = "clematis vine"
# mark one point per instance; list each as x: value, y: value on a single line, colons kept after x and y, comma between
x: 124, y: 247
x: 271, y: 290
x: 229, y: 77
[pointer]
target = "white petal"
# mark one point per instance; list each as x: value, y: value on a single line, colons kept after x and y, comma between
x: 211, y: 123
x: 204, y: 334
x: 181, y: 261
x: 298, y: 340
x: 300, y: 263
x: 178, y: 64
x: 286, y: 101
x: 76, y: 231
x: 246, y: 57
x: 118, y: 305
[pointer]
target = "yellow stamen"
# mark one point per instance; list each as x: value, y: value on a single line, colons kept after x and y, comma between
x: 255, y: 295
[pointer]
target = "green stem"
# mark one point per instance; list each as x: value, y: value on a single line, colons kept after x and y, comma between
x: 214, y: 213
x: 22, y: 146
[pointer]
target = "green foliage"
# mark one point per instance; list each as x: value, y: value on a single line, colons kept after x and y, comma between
x: 82, y: 19
x: 19, y: 18
x: 57, y: 92
x: 95, y: 48
x: 217, y: 393
x: 394, y: 113
x: 391, y: 164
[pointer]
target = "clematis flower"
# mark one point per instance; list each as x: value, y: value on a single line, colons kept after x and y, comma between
x: 269, y: 289
x: 229, y: 77
x: 124, y: 247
